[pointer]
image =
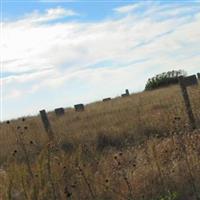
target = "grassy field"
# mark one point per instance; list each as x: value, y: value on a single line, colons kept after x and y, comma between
x: 136, y: 147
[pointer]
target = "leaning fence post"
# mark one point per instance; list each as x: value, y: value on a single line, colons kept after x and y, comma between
x: 46, y: 124
x: 187, y: 102
x: 198, y: 75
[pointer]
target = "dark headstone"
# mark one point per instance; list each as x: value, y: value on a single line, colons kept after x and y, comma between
x: 107, y: 99
x: 189, y: 80
x: 198, y: 75
x: 59, y: 111
x: 125, y: 95
x: 127, y: 92
x: 79, y: 107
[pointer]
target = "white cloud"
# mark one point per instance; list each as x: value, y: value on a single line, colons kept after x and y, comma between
x: 50, y: 14
x: 53, y: 55
x: 126, y: 9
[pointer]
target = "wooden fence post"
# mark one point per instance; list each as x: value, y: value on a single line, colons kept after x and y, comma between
x: 46, y: 124
x: 183, y: 84
x: 198, y: 75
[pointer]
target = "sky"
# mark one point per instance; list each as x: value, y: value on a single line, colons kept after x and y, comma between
x: 59, y: 53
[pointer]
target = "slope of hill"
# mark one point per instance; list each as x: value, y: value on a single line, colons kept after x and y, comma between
x: 136, y: 147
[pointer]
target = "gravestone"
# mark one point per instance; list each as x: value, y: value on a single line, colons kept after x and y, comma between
x: 124, y: 95
x: 59, y: 111
x: 79, y: 107
x: 46, y: 124
x: 198, y: 75
x: 107, y: 99
x: 189, y: 80
x: 127, y: 92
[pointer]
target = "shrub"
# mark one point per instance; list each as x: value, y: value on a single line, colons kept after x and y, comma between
x: 164, y: 79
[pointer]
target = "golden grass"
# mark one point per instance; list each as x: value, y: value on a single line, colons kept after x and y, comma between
x: 137, y: 147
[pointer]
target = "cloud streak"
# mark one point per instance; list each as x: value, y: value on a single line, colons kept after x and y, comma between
x: 49, y: 15
x: 126, y: 9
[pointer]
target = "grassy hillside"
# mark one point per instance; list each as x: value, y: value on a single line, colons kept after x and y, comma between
x: 136, y: 147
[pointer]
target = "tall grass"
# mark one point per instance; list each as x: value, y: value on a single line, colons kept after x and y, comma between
x: 138, y: 147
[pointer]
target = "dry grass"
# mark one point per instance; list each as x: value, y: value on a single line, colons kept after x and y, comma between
x: 137, y: 147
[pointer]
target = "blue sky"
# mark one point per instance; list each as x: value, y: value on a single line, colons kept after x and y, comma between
x: 59, y: 53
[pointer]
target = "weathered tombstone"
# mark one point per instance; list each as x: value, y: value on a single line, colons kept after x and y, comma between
x: 79, y: 107
x: 124, y: 95
x: 189, y: 80
x: 107, y: 99
x: 184, y: 83
x: 46, y: 124
x: 127, y: 92
x: 59, y: 111
x: 198, y: 75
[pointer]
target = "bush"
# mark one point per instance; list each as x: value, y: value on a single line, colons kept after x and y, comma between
x: 164, y: 79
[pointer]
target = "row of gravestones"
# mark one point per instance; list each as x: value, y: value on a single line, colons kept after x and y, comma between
x: 126, y: 94
x: 60, y: 112
x: 189, y: 80
x: 184, y: 82
x: 80, y: 107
